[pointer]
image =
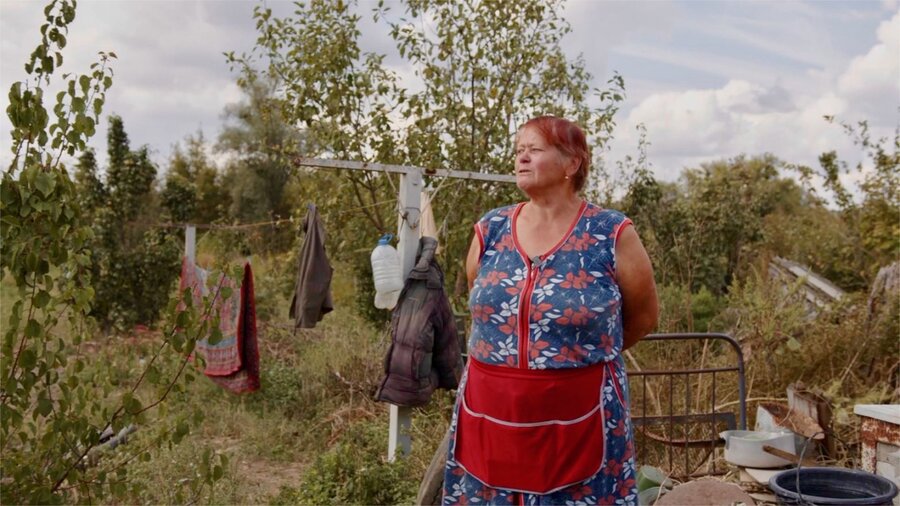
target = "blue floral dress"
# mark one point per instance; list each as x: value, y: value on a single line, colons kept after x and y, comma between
x: 574, y: 319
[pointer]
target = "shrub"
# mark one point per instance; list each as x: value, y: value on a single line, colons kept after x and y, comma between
x: 355, y: 472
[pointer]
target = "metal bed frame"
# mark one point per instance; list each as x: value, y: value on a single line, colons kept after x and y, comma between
x: 685, y: 435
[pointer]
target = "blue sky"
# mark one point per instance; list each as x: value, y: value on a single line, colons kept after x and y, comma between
x: 708, y: 79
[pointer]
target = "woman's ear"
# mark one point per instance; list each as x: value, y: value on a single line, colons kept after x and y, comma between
x: 573, y: 163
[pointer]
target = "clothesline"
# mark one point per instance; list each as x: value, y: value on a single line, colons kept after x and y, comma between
x: 222, y: 226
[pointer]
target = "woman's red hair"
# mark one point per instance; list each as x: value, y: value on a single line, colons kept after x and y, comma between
x: 567, y: 137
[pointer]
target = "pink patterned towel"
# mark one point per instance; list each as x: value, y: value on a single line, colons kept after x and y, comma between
x: 233, y: 362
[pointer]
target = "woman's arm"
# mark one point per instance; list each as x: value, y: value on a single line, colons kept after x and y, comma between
x: 640, y: 305
x: 472, y: 260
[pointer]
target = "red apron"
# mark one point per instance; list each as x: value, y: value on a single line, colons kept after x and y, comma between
x: 534, y: 431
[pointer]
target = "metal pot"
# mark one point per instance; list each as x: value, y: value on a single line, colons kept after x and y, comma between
x: 745, y: 447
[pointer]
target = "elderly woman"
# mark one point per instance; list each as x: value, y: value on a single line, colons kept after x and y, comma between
x: 559, y: 288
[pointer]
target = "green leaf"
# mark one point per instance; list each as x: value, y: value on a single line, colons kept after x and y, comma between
x: 44, y: 407
x: 41, y: 299
x: 133, y: 405
x: 182, y: 319
x: 181, y: 430
x: 28, y: 359
x: 32, y: 328
x: 45, y: 183
x: 215, y: 336
x: 187, y: 297
x: 190, y: 345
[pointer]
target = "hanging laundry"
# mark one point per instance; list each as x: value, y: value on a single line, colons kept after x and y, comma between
x: 427, y: 228
x: 233, y: 362
x: 424, y: 352
x: 312, y: 290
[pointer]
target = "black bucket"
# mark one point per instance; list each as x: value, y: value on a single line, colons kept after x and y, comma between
x: 830, y: 486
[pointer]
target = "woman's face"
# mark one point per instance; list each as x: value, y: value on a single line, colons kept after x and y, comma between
x: 539, y: 166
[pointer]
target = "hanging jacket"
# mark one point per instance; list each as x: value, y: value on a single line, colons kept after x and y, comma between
x: 424, y: 352
x: 312, y: 290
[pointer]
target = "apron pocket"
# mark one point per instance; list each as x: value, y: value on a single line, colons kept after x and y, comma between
x: 524, y: 439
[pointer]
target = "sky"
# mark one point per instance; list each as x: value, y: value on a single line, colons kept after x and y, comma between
x: 707, y: 79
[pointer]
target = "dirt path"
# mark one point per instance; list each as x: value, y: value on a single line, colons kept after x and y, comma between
x: 259, y: 479
x: 262, y: 479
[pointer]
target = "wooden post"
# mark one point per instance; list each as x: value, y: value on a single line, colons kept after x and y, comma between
x: 190, y: 243
x: 408, y: 233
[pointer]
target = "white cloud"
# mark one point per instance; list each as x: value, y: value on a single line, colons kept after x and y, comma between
x: 708, y: 79
x: 695, y: 126
x: 784, y: 29
x: 872, y: 80
x: 170, y: 77
x: 752, y: 116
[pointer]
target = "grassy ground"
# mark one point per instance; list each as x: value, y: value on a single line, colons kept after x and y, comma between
x: 312, y: 433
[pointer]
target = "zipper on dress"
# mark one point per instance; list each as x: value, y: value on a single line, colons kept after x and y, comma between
x: 525, y: 315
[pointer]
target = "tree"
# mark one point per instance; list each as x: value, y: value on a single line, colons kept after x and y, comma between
x: 471, y: 58
x: 43, y: 249
x: 137, y: 264
x: 702, y: 230
x: 194, y: 189
x: 92, y: 193
x: 872, y: 220
x: 260, y: 145
x: 52, y: 408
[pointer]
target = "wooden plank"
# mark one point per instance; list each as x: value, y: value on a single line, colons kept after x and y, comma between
x: 759, y: 475
x: 764, y: 498
x: 790, y: 457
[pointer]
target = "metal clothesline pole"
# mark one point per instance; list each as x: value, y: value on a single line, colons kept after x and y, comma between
x: 410, y: 195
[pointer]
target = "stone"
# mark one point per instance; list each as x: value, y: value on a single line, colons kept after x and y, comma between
x: 706, y: 492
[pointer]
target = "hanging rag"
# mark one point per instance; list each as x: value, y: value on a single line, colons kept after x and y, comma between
x: 312, y: 290
x: 427, y: 228
x: 424, y: 352
x: 233, y: 362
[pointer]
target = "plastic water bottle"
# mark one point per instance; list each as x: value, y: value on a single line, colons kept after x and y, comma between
x: 386, y: 273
